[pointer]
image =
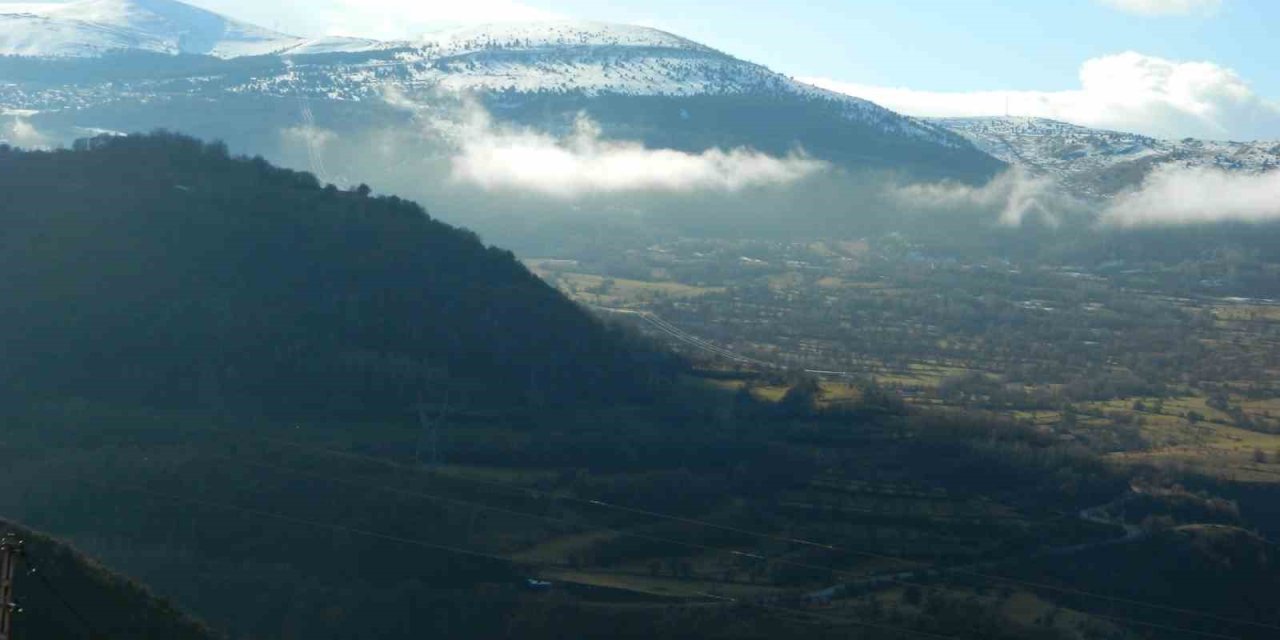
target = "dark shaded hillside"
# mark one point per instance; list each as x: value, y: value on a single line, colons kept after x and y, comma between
x: 69, y: 597
x: 158, y: 269
x: 1230, y: 572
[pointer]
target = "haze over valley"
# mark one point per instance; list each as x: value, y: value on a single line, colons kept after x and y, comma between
x: 411, y: 320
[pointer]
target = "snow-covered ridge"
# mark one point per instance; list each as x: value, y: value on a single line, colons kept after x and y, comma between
x: 589, y: 59
x: 1100, y: 163
x: 598, y: 58
x: 592, y: 58
x: 90, y: 28
x: 550, y: 34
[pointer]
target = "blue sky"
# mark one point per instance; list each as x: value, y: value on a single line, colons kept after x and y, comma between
x: 1165, y: 67
x: 953, y: 45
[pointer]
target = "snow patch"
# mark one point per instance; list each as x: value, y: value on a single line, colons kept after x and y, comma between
x: 94, y: 27
x: 1096, y: 163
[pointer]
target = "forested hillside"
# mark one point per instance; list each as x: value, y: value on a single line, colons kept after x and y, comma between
x: 161, y: 270
x: 65, y: 595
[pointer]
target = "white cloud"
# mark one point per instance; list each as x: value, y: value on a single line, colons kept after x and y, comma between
x: 1164, y: 7
x: 1014, y: 195
x: 493, y: 156
x: 1173, y: 195
x: 1127, y: 91
x: 21, y: 133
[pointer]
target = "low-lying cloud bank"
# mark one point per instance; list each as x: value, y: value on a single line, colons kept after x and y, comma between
x: 1014, y: 195
x: 453, y: 153
x: 1175, y: 195
x: 584, y: 162
x: 1169, y: 196
x: 499, y: 157
x: 497, y: 176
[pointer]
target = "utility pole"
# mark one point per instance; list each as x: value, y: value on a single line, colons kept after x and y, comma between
x: 10, y: 551
x: 430, y: 430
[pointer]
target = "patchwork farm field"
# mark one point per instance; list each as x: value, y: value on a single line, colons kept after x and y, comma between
x: 1145, y: 377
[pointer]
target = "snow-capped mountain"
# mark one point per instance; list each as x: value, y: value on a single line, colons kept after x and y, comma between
x: 84, y: 66
x: 598, y: 58
x: 90, y: 28
x: 1099, y: 163
x: 594, y: 59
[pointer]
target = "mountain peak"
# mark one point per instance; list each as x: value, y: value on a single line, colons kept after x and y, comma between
x: 93, y: 27
x: 557, y: 33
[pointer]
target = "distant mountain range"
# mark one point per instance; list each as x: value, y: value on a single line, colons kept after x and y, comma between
x: 95, y: 27
x: 1096, y: 163
x: 94, y: 65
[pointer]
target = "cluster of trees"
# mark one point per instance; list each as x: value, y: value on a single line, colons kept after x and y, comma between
x: 163, y: 270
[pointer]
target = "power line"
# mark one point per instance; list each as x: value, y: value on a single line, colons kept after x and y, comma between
x: 687, y: 338
x: 927, y: 634
x: 760, y: 535
x: 505, y: 559
x: 428, y: 545
x: 316, y: 523
x: 75, y: 611
x: 787, y: 539
x: 591, y: 502
x: 511, y: 561
x: 692, y: 545
x: 834, y: 619
x: 309, y: 130
x: 553, y: 519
